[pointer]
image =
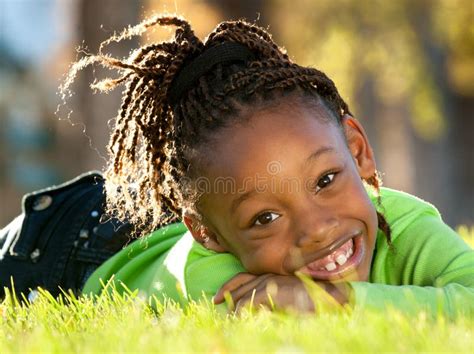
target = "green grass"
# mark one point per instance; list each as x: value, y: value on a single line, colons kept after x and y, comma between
x: 126, y: 324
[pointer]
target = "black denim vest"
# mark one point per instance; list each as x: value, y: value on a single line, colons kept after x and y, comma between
x: 60, y: 238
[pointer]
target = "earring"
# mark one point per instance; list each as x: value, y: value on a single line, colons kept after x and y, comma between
x: 374, y: 181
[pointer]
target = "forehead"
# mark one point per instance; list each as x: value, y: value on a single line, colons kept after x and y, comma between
x: 284, y: 136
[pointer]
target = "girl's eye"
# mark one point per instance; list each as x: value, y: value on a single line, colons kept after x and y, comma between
x: 324, y: 181
x: 266, y: 218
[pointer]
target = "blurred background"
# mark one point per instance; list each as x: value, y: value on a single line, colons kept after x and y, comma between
x: 405, y: 67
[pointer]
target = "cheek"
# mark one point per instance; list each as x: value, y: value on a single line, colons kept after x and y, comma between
x: 267, y: 257
x: 361, y: 204
x: 368, y: 215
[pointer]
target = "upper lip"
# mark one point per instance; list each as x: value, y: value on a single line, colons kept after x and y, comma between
x: 323, y: 252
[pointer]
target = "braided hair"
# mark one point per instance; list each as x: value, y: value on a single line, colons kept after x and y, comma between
x: 159, y: 134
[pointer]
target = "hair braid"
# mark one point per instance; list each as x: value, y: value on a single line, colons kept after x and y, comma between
x: 130, y: 114
x: 126, y: 99
x: 156, y: 145
x: 376, y: 182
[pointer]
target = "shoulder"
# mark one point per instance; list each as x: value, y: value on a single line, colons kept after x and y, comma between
x: 426, y: 250
x: 398, y: 203
x: 401, y: 209
x: 167, y: 232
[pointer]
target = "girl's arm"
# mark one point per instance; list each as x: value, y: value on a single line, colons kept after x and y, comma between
x: 430, y: 268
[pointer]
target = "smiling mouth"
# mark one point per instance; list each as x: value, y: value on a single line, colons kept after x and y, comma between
x: 338, y: 264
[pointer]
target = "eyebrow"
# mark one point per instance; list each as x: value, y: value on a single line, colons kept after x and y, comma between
x: 311, y: 158
x: 321, y: 151
x: 237, y: 201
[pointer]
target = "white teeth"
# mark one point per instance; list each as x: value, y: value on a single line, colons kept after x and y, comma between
x: 330, y: 266
x: 341, y: 259
x: 349, y: 253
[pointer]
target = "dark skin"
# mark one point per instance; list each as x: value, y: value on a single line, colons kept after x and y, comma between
x: 277, y: 229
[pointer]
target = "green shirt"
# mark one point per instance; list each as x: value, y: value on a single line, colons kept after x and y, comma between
x: 429, y: 268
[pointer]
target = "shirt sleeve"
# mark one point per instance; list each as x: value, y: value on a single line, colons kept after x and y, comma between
x: 430, y: 268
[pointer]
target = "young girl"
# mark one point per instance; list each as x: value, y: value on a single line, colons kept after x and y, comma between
x: 274, y: 180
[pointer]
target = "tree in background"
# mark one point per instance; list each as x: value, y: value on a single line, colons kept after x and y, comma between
x: 404, y: 66
x: 406, y: 69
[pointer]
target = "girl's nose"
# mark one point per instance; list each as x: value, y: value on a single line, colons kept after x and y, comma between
x: 317, y: 227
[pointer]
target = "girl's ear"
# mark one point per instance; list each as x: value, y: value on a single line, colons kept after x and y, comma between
x: 201, y: 233
x: 359, y: 147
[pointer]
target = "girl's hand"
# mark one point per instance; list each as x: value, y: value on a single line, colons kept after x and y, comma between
x: 275, y: 292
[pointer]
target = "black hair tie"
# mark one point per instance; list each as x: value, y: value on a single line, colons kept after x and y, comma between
x: 222, y: 53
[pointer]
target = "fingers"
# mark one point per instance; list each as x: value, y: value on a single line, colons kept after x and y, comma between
x: 265, y: 292
x: 278, y: 292
x: 233, y: 284
x: 339, y: 292
x: 247, y: 288
x: 257, y: 298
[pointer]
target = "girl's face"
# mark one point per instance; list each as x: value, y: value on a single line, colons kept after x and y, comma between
x: 286, y: 195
